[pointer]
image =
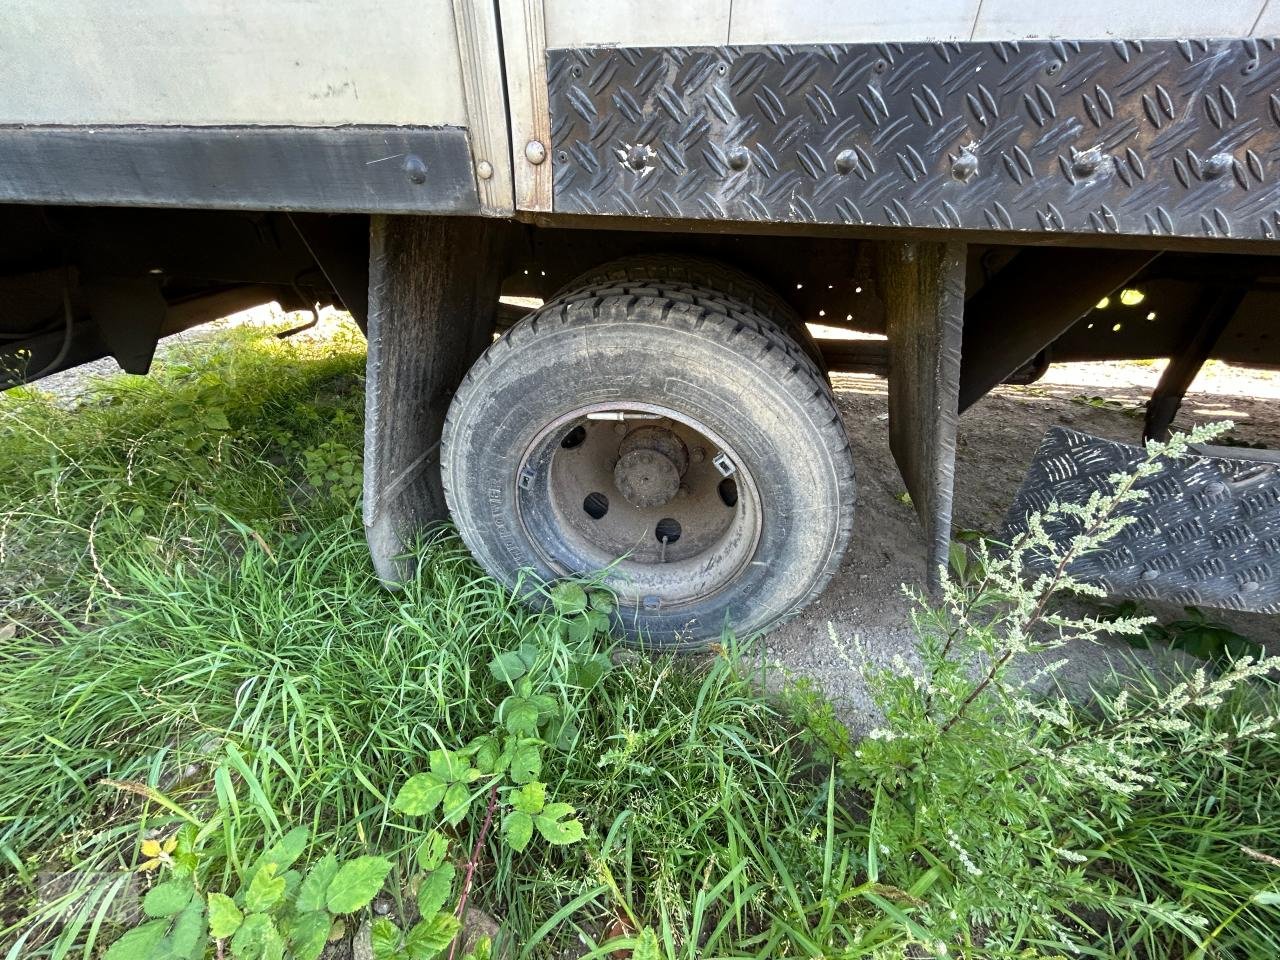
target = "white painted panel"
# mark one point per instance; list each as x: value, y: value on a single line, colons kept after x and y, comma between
x: 304, y: 62
x: 651, y: 23
x: 1100, y: 19
x: 850, y: 21
x: 1268, y: 24
x: 583, y: 23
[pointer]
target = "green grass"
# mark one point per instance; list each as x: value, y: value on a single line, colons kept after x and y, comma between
x: 192, y: 608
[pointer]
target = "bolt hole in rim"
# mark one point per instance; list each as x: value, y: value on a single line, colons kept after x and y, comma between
x: 639, y: 490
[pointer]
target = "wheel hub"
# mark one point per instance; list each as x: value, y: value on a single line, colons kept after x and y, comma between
x: 644, y: 491
x: 646, y: 478
x: 651, y: 464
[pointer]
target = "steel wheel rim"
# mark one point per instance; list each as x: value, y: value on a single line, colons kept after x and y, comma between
x: 621, y: 453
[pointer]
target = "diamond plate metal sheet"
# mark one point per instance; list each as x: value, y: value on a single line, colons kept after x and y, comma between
x: 1207, y: 535
x: 1143, y: 137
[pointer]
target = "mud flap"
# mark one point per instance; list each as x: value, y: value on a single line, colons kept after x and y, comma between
x: 1207, y: 535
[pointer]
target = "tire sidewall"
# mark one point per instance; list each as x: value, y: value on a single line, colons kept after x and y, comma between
x: 648, y: 349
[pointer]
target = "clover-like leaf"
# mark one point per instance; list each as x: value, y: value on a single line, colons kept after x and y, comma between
x: 311, y: 894
x: 356, y: 884
x: 224, y: 916
x: 420, y: 794
x: 166, y: 899
x: 518, y: 830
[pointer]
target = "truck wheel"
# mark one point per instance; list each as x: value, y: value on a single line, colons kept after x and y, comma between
x: 669, y: 433
x: 675, y: 271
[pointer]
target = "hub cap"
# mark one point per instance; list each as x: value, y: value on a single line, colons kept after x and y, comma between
x: 650, y: 494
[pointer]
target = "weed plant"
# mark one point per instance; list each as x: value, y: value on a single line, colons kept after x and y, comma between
x: 195, y: 637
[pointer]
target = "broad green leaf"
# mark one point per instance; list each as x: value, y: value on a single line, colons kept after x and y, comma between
x: 420, y: 795
x: 599, y: 620
x: 265, y: 889
x: 526, y: 762
x: 435, y: 890
x: 139, y: 942
x: 579, y: 629
x: 308, y: 933
x: 586, y: 672
x: 286, y: 850
x: 187, y: 940
x: 486, y: 753
x: 166, y: 899
x: 356, y: 884
x: 483, y: 950
x: 646, y: 947
x: 224, y: 916
x: 385, y: 939
x: 311, y: 895
x: 448, y: 766
x: 432, y: 850
x: 554, y: 828
x: 215, y: 418
x: 511, y: 666
x: 518, y: 829
x: 457, y: 802
x: 255, y: 939
x: 602, y: 600
x: 520, y: 716
x: 530, y: 798
x: 568, y: 598
x: 430, y: 936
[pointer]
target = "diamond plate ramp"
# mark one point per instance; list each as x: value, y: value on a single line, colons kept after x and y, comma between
x: 1138, y: 137
x: 1208, y: 533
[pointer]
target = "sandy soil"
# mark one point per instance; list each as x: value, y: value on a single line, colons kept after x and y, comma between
x: 864, y: 613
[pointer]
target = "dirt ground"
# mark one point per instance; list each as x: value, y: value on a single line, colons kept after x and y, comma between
x: 864, y: 613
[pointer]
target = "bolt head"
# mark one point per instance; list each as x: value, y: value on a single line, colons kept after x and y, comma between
x: 535, y: 152
x: 484, y: 170
x: 1217, y: 165
x: 965, y: 166
x: 638, y: 157
x: 738, y: 158
x: 415, y: 169
x: 846, y: 161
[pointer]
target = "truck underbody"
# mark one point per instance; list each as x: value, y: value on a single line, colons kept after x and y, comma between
x: 949, y: 215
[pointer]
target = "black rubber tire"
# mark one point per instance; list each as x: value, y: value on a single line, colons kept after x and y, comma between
x: 678, y: 270
x: 619, y: 342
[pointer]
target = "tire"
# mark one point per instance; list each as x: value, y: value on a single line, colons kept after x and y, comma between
x: 705, y: 365
x: 674, y: 271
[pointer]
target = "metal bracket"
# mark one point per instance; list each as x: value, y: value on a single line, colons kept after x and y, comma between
x: 433, y: 294
x: 922, y: 286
